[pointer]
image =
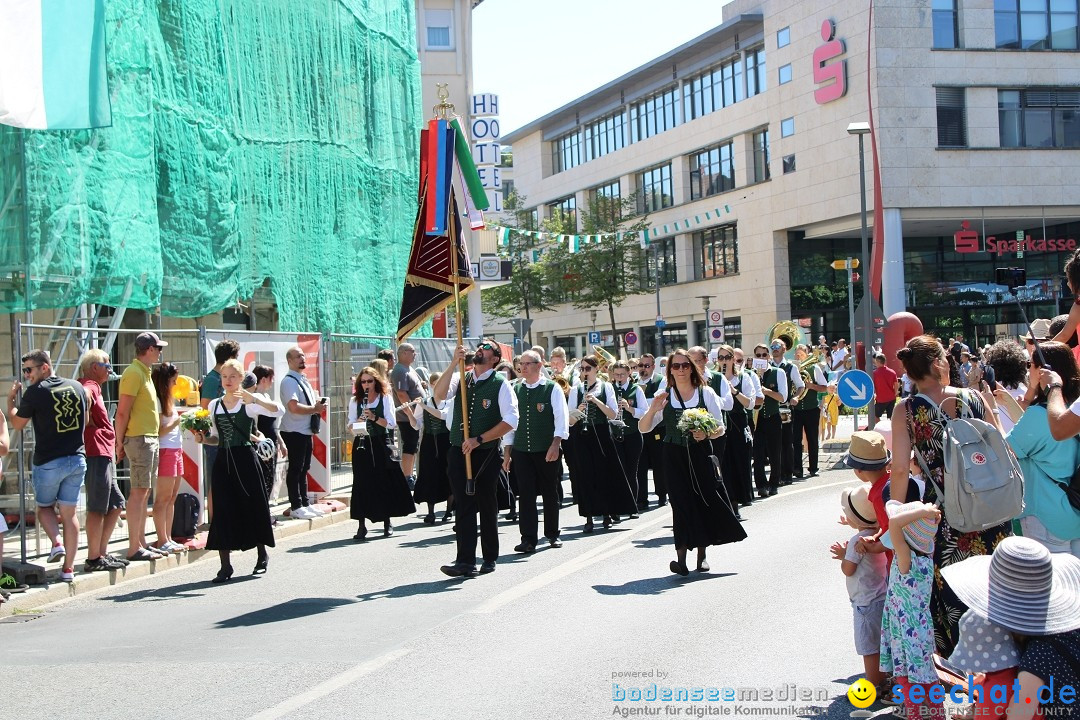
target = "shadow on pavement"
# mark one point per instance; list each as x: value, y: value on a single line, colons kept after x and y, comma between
x: 171, y: 592
x: 441, y: 539
x: 329, y: 544
x: 656, y: 542
x: 657, y: 585
x: 403, y: 591
x: 291, y: 610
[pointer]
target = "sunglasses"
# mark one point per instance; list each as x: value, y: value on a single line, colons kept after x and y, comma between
x: 586, y: 366
x: 367, y: 382
x: 725, y: 357
x: 28, y: 370
x: 527, y: 362
x: 680, y: 366
x: 761, y: 355
x: 107, y: 366
x: 486, y: 346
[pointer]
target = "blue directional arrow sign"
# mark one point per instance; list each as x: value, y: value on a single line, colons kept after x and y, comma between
x: 855, y: 388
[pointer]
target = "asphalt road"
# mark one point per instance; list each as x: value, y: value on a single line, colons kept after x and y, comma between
x: 340, y: 630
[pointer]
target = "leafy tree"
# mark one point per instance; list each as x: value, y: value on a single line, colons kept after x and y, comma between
x: 608, y: 272
x: 526, y: 292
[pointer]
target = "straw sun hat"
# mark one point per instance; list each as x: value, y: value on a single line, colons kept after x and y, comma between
x: 1021, y: 587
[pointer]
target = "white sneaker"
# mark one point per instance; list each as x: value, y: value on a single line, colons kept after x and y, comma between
x: 57, y: 553
x: 315, y: 512
x: 301, y: 513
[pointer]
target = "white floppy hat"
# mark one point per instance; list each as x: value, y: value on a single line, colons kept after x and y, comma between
x: 1021, y: 587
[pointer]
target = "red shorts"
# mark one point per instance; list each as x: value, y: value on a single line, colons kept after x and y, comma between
x: 171, y: 462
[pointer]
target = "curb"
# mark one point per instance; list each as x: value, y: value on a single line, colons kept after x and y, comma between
x: 37, y: 598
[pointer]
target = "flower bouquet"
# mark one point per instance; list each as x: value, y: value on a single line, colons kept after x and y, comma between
x: 197, y: 421
x: 697, y: 419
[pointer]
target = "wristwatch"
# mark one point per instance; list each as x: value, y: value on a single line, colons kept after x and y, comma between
x: 1053, y: 386
x: 480, y: 439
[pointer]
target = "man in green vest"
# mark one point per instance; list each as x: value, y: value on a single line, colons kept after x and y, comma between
x: 787, y: 433
x: 767, y: 431
x: 534, y: 448
x: 492, y: 412
x: 652, y: 442
x: 807, y: 413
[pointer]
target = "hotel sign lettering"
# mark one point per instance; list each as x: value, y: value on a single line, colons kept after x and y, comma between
x: 832, y: 73
x: 966, y: 240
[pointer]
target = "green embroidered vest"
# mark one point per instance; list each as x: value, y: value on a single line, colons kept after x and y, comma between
x: 234, y: 427
x: 672, y: 434
x: 630, y: 395
x: 536, y: 418
x: 374, y: 429
x: 810, y: 399
x: 484, y: 413
x: 434, y: 425
x: 594, y: 415
x: 769, y: 382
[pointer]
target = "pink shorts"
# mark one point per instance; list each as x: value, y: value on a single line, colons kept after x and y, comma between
x: 171, y: 462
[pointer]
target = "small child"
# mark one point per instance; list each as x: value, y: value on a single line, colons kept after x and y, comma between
x: 830, y: 412
x: 988, y: 653
x: 907, y: 629
x: 866, y: 575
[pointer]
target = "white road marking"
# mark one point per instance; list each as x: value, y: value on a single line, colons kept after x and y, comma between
x: 330, y: 686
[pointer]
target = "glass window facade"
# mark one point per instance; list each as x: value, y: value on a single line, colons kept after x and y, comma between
x: 654, y: 189
x: 1039, y: 118
x: 654, y: 114
x: 761, y: 156
x: 716, y: 251
x: 951, y: 117
x: 953, y: 292
x: 567, y: 207
x: 713, y: 89
x: 606, y: 200
x: 712, y: 171
x: 784, y: 74
x: 1036, y: 24
x: 661, y: 257
x: 787, y: 127
x: 605, y: 135
x: 566, y: 152
x: 946, y: 28
x: 783, y: 37
x: 755, y: 72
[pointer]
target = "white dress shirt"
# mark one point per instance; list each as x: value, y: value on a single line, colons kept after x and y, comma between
x: 558, y: 406
x: 712, y: 404
x: 641, y: 405
x: 387, y: 411
x: 508, y: 406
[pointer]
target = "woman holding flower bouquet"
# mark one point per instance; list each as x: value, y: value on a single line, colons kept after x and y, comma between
x: 691, y: 414
x: 241, y: 515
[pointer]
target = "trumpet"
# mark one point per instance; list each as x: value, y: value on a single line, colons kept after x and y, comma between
x: 806, y: 369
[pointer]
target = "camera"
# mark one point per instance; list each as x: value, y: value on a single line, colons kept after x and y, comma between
x: 1011, y: 277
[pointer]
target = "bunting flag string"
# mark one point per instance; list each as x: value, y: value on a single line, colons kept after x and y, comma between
x: 645, y: 237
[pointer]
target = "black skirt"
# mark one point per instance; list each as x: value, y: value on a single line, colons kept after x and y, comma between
x: 700, y: 510
x: 241, y: 514
x: 379, y: 489
x: 601, y: 487
x: 432, y: 482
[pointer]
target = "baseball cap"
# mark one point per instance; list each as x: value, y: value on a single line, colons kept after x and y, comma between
x: 145, y: 341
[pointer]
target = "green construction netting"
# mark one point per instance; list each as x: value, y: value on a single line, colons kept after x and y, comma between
x: 250, y: 140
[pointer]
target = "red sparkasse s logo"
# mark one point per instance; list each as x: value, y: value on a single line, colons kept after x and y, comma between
x: 836, y: 73
x: 965, y: 239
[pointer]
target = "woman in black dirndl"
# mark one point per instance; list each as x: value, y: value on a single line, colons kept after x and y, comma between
x: 432, y: 482
x: 379, y: 489
x: 700, y: 511
x: 601, y: 486
x: 241, y: 513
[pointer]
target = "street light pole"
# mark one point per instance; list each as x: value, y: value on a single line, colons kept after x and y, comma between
x: 862, y: 129
x: 705, y: 299
x: 659, y: 331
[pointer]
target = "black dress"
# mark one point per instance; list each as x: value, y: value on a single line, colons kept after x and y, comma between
x: 267, y: 425
x: 700, y: 510
x: 432, y: 482
x: 241, y: 513
x: 601, y: 487
x: 379, y: 489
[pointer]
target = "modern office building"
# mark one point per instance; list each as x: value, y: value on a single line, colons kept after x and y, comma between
x: 737, y: 145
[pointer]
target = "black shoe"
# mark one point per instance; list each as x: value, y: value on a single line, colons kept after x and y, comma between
x: 260, y: 565
x: 388, y: 529
x: 511, y: 516
x: 524, y: 548
x: 487, y: 567
x: 588, y: 526
x: 555, y: 542
x: 762, y: 494
x: 447, y: 515
x: 429, y: 519
x: 642, y: 507
x: 361, y: 535
x: 662, y: 502
x: 616, y: 519
x: 703, y: 566
x: 738, y: 517
x: 773, y: 491
x: 814, y: 473
x: 678, y: 568
x: 800, y: 476
x: 785, y: 483
x: 457, y: 570
x: 607, y: 522
x: 224, y: 575
x: 748, y: 503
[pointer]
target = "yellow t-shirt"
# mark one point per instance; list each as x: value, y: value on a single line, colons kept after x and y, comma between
x: 144, y: 411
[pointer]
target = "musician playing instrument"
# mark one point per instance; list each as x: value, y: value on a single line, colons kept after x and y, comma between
x: 651, y: 450
x: 777, y: 349
x: 736, y: 461
x: 632, y: 405
x: 534, y: 451
x: 806, y: 415
x: 767, y: 431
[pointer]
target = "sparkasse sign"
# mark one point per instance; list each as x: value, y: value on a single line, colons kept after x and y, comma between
x: 966, y: 240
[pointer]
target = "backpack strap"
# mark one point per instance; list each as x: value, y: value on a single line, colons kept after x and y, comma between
x: 923, y: 465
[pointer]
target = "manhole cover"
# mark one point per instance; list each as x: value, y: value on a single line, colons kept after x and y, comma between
x: 22, y: 617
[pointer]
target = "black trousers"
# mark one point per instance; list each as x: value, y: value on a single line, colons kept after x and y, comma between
x: 298, y: 446
x: 807, y: 421
x: 629, y: 450
x: 787, y: 451
x: 736, y: 460
x: 652, y: 458
x: 537, y: 476
x: 767, y: 437
x: 486, y: 465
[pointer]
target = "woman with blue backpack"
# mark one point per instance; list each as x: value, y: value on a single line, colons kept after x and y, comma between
x: 919, y: 425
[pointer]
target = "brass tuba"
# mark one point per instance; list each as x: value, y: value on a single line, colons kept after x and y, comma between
x: 606, y: 361
x: 790, y: 333
x: 806, y: 369
x: 563, y: 384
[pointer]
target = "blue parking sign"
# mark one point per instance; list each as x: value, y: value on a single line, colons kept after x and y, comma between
x: 594, y: 338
